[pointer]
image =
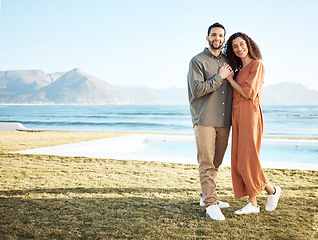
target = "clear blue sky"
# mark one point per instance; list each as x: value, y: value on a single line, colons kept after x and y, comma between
x: 150, y: 42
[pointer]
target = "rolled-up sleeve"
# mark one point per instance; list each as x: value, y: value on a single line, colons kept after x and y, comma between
x: 198, y: 85
x: 252, y: 85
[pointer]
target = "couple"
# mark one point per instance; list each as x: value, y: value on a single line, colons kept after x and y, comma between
x: 214, y: 107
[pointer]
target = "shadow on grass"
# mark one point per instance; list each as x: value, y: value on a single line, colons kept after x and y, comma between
x: 132, y: 214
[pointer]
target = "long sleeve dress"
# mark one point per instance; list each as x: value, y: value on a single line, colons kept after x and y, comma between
x: 247, y: 129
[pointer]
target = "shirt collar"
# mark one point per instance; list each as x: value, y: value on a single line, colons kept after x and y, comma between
x: 207, y: 52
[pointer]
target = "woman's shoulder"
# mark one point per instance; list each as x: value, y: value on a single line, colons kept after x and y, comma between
x: 257, y: 63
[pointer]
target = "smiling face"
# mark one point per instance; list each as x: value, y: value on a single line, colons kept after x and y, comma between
x: 216, y: 38
x: 240, y: 47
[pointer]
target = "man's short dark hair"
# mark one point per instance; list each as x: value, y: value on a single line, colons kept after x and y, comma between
x: 215, y: 25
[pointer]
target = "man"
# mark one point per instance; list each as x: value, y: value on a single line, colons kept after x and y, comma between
x: 210, y: 98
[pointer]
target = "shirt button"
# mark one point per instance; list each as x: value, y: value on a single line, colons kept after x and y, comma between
x: 223, y: 103
x: 223, y: 114
x: 222, y: 92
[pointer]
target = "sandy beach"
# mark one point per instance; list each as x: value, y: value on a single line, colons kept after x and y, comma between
x: 129, y: 146
x: 169, y: 148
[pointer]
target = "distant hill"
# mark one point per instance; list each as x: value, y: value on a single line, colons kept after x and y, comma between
x: 22, y: 82
x: 78, y: 87
x: 289, y: 93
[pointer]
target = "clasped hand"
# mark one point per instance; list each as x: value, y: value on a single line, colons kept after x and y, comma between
x: 226, y: 71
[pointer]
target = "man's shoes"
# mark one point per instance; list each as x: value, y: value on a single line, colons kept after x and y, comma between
x: 249, y: 208
x: 221, y: 204
x: 272, y: 200
x: 202, y: 204
x: 215, y: 213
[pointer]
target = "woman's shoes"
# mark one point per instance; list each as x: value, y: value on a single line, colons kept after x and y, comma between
x: 272, y: 200
x: 249, y: 208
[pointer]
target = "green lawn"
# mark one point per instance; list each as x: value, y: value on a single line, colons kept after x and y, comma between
x: 51, y: 197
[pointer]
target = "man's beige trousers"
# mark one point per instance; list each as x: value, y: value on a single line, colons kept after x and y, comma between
x: 211, y: 146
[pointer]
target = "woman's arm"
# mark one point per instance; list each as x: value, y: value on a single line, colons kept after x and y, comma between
x: 236, y: 86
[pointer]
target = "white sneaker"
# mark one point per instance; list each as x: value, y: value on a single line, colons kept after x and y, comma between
x: 215, y: 213
x: 221, y: 204
x: 202, y: 204
x: 272, y: 200
x: 249, y: 208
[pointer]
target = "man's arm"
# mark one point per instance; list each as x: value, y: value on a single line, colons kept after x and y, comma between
x: 198, y: 86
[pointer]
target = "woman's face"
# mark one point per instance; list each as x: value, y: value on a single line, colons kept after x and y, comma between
x: 240, y: 47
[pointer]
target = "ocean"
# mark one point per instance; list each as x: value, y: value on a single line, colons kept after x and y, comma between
x: 279, y: 121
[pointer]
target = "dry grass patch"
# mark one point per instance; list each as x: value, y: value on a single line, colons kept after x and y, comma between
x: 87, y: 198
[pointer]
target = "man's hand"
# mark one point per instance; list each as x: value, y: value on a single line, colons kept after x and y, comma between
x: 225, y: 70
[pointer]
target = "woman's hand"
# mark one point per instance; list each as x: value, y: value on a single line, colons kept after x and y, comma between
x: 225, y: 71
x: 230, y: 77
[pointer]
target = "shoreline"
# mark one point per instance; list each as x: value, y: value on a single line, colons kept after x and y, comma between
x: 282, y: 141
x: 17, y: 126
x: 135, y: 145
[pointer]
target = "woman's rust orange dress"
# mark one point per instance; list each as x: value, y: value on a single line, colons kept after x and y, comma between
x: 247, y: 129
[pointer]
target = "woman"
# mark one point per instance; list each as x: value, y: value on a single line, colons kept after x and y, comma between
x: 247, y: 123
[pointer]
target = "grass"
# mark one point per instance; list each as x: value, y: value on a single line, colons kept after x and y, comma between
x: 51, y: 197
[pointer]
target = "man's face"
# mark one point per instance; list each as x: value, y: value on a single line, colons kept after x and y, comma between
x: 216, y: 38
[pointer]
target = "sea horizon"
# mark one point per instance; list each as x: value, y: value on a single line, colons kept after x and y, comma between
x: 295, y: 122
x: 298, y: 121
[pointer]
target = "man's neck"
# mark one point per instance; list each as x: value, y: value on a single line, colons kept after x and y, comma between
x: 215, y: 52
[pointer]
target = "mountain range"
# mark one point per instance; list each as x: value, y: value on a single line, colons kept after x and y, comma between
x: 78, y: 87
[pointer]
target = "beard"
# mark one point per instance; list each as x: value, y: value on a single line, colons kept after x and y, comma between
x: 215, y: 47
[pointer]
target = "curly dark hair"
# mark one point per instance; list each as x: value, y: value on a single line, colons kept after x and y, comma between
x: 253, y: 50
